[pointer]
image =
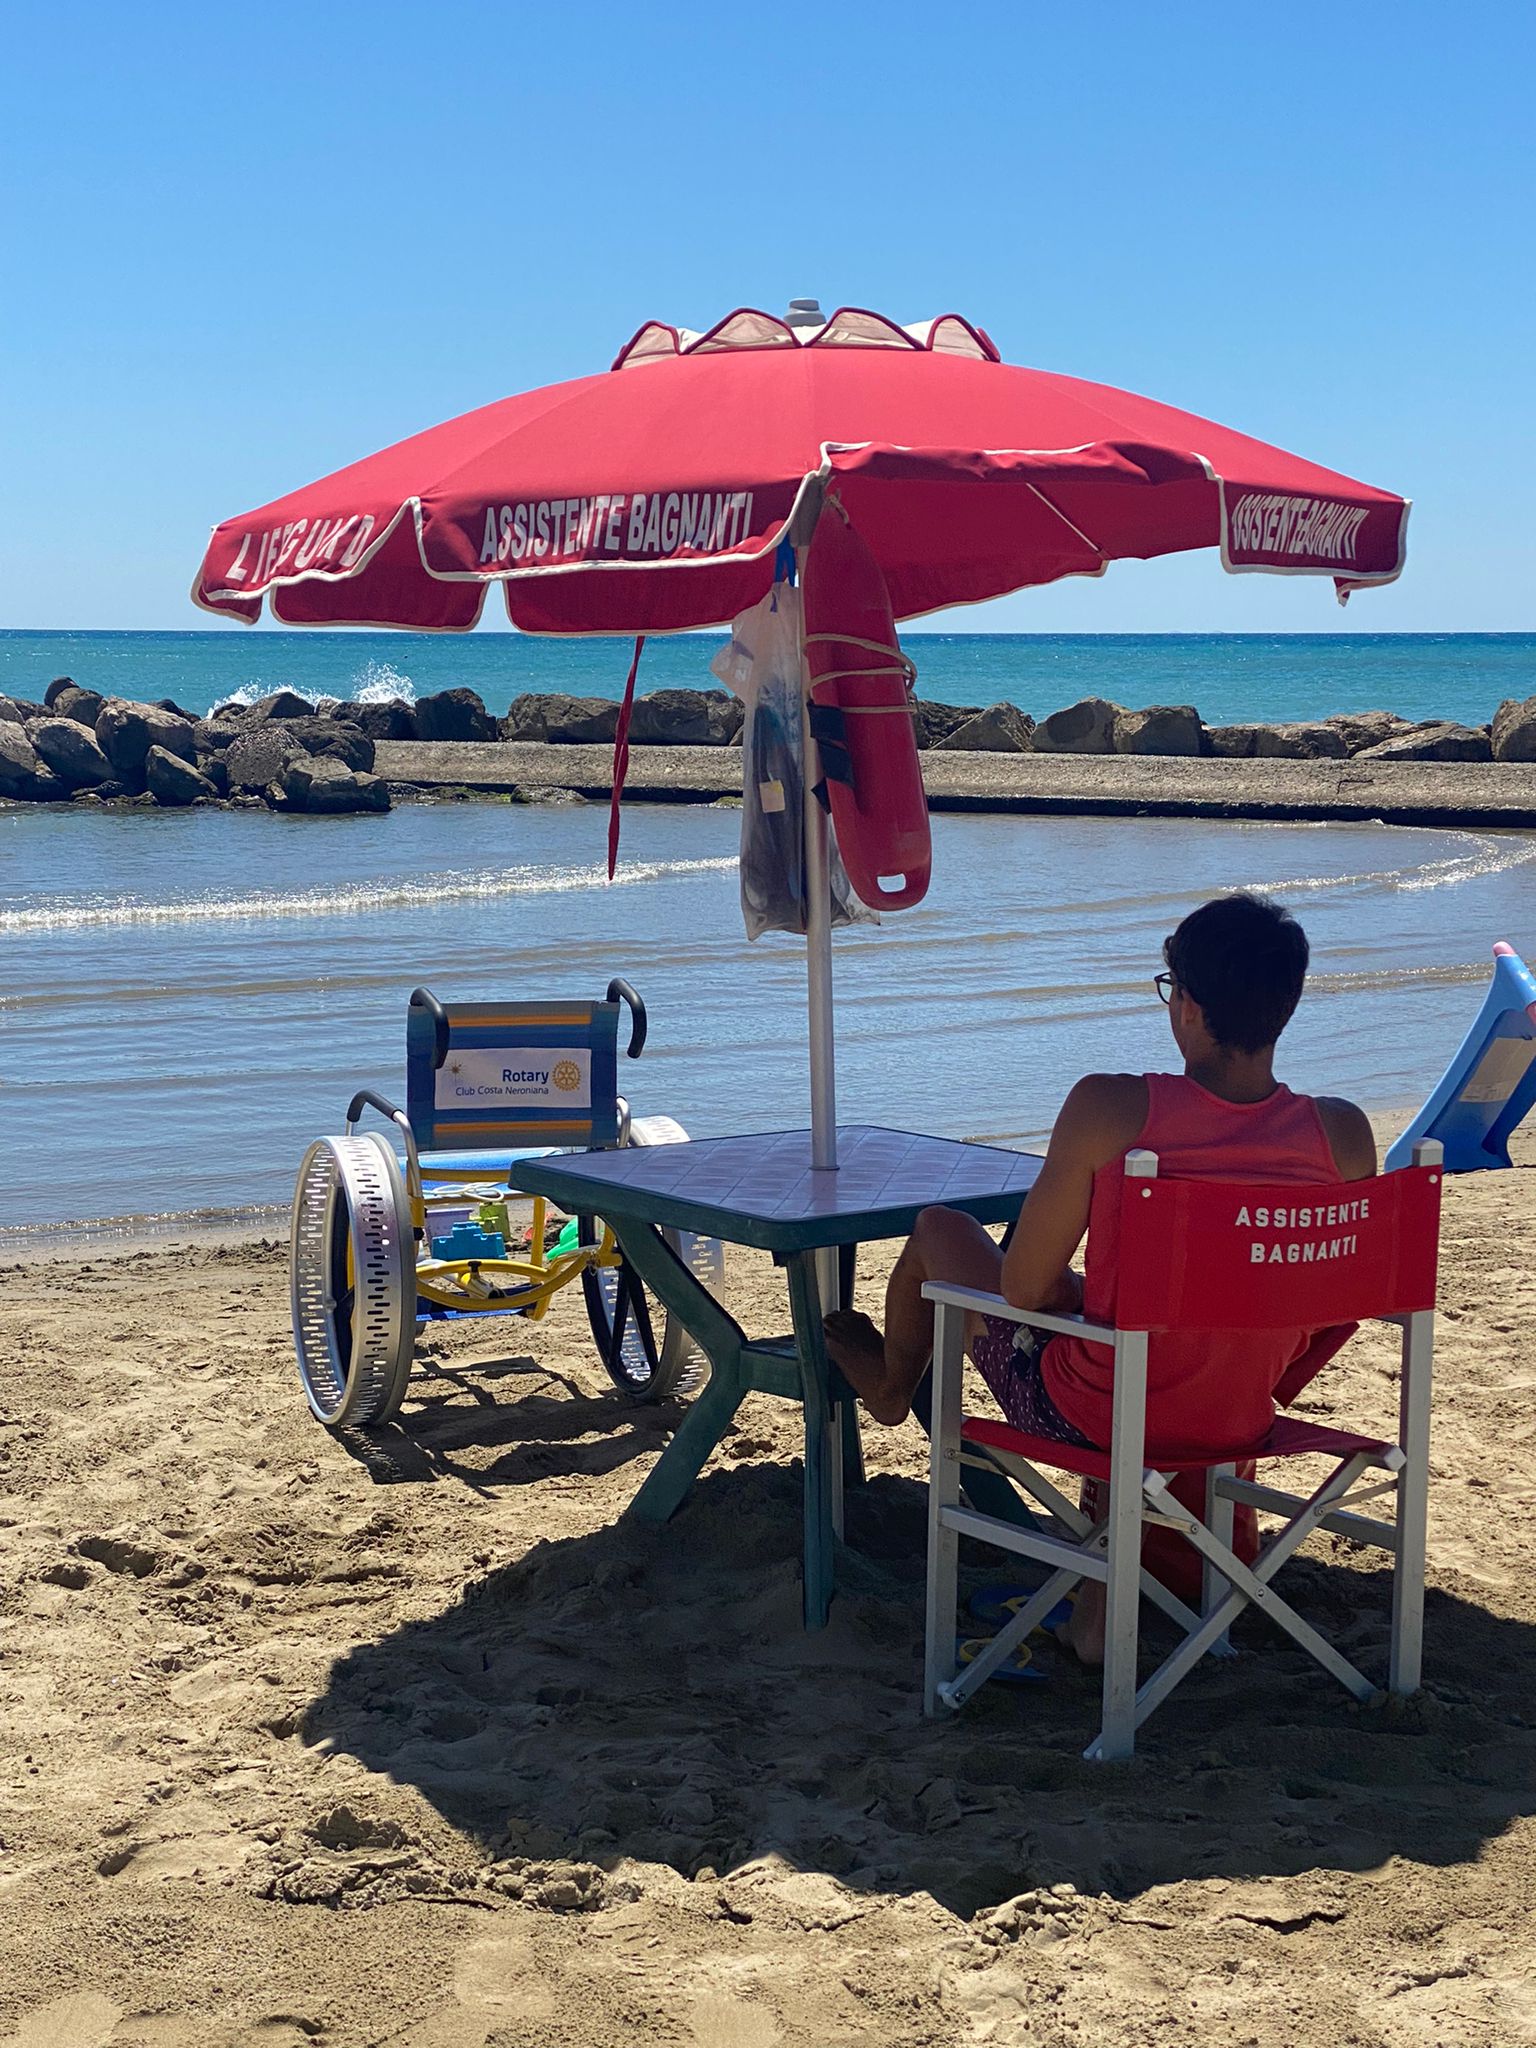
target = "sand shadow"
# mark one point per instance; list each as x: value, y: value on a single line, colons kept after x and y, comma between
x: 438, y: 1435
x: 650, y: 1693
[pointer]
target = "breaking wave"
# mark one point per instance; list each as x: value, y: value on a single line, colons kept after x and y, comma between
x: 354, y: 900
x: 376, y: 682
x: 1483, y: 857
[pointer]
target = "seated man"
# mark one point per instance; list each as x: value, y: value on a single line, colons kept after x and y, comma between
x: 1235, y: 970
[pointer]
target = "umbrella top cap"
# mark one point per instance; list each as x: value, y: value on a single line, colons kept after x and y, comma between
x: 806, y: 326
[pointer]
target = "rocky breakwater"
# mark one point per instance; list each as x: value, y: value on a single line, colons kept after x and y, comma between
x: 280, y: 754
x: 289, y: 754
x: 1096, y: 726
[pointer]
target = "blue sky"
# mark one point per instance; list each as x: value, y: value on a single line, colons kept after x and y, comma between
x: 244, y: 246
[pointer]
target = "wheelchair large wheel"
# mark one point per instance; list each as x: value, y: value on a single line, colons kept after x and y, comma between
x: 648, y: 1353
x: 352, y: 1265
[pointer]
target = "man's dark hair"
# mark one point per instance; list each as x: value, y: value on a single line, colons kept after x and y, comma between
x: 1243, y: 960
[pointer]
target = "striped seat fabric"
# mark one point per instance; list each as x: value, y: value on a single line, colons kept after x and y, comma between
x: 510, y: 1076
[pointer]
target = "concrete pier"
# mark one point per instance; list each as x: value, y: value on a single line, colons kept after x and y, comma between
x: 1105, y: 785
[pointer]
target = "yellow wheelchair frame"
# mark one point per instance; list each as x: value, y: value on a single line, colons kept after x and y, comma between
x: 362, y: 1271
x: 518, y: 1286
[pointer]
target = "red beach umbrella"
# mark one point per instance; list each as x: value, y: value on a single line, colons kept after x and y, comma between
x: 655, y: 496
x: 651, y: 498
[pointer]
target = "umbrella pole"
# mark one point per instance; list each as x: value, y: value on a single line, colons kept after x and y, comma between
x: 818, y: 935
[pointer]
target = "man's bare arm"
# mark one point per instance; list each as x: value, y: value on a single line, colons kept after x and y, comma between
x: 1099, y: 1120
x: 1350, y: 1137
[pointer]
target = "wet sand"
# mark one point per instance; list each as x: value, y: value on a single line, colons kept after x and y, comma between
x: 409, y: 1740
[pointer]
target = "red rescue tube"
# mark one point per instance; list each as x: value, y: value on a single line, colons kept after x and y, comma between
x: 862, y: 718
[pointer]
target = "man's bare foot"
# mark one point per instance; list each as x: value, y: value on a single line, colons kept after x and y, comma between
x: 1083, y: 1630
x: 857, y: 1349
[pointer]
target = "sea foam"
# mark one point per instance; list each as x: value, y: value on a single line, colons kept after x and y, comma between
x: 358, y: 899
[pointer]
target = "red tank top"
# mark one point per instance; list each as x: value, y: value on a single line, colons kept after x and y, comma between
x: 1209, y: 1390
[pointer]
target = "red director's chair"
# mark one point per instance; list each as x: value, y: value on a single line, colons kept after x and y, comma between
x: 1195, y: 1256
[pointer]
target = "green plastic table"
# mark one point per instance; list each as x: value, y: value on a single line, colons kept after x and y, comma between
x: 763, y: 1191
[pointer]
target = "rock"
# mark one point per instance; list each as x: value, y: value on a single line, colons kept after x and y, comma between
x: 125, y: 733
x: 1000, y: 729
x: 332, y: 736
x: 1514, y: 730
x: 1232, y: 742
x: 394, y: 719
x: 1299, y: 741
x: 70, y: 750
x: 1438, y: 742
x: 9, y: 714
x: 1363, y: 729
x: 172, y: 781
x: 454, y: 715
x: 19, y: 765
x: 48, y: 788
x: 258, y: 757
x: 55, y: 688
x: 934, y: 722
x: 1084, y: 728
x: 1302, y: 740
x: 320, y: 783
x: 84, y: 706
x: 543, y: 793
x: 565, y: 721
x: 211, y: 736
x: 686, y: 718
x: 281, y: 704
x: 1160, y: 729
x: 29, y: 709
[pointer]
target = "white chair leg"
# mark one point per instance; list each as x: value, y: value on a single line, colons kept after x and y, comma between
x: 1407, y: 1655
x: 943, y: 1492
x: 1117, y: 1737
x: 1219, y: 1516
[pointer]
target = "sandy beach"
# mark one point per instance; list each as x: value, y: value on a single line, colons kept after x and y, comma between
x: 412, y: 1741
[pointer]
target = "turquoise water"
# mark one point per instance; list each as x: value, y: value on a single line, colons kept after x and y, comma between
x: 1228, y: 677
x: 187, y: 998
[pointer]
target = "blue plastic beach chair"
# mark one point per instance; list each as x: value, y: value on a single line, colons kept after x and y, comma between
x: 1491, y: 1083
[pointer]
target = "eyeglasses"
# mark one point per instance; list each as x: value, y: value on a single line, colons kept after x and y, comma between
x: 1165, y: 986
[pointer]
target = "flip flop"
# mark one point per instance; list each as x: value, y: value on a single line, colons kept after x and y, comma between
x: 996, y: 1605
x: 1016, y: 1670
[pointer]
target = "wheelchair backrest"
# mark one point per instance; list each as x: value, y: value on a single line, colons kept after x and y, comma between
x: 494, y: 1076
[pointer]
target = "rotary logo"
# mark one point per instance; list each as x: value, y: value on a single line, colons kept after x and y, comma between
x: 566, y: 1076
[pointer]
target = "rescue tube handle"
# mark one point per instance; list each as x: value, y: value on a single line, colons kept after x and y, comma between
x: 913, y: 888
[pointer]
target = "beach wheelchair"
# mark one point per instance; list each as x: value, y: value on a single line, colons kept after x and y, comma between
x: 392, y: 1232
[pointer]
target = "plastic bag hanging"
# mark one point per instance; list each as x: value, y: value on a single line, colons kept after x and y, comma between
x: 761, y: 663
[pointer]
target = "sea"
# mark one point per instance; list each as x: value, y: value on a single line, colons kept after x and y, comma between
x: 1229, y: 677
x: 187, y: 999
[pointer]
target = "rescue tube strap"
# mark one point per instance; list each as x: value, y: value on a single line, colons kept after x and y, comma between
x: 830, y: 735
x: 869, y: 646
x: 866, y: 710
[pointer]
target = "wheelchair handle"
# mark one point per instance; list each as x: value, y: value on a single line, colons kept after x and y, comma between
x: 365, y: 1098
x: 423, y: 999
x: 620, y: 990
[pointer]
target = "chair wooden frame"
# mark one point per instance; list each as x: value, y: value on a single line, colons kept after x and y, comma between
x: 1078, y: 1547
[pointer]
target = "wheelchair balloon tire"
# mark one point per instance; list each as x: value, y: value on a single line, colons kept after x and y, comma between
x: 654, y: 1356
x: 352, y: 1266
